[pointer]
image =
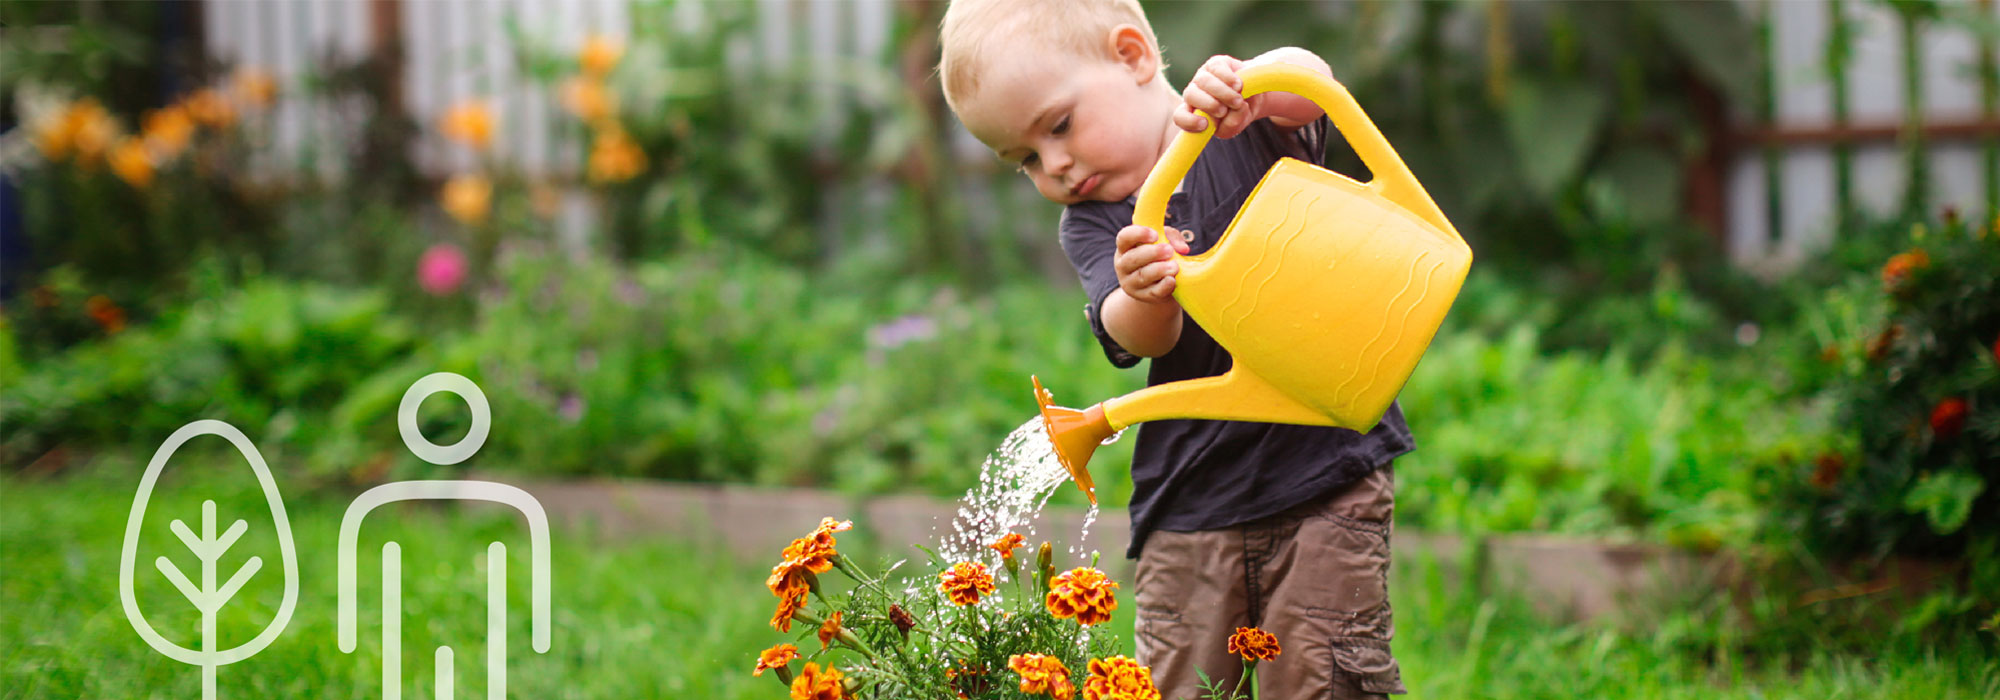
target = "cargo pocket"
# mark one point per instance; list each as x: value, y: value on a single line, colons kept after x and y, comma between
x: 1369, y: 664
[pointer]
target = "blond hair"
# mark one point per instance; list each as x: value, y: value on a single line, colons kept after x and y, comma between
x: 975, y: 31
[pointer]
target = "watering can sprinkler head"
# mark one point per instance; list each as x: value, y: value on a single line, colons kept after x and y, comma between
x: 1075, y: 434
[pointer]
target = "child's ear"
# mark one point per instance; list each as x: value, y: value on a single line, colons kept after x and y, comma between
x: 1131, y: 49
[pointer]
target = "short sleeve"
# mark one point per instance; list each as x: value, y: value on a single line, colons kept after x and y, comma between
x: 1089, y: 235
x: 1313, y: 137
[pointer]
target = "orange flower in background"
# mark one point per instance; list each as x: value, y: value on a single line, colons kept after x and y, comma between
x: 1007, y: 544
x: 829, y: 629
x: 1254, y: 644
x: 209, y: 108
x: 965, y: 582
x: 1083, y: 593
x: 1827, y: 469
x: 106, y: 313
x: 588, y: 99
x: 131, y: 163
x: 83, y: 129
x: 1879, y: 347
x: 775, y: 657
x: 814, y: 684
x: 167, y: 131
x: 1042, y: 675
x: 470, y: 122
x: 254, y: 86
x: 1899, y: 267
x: 1948, y: 418
x: 787, y: 606
x: 615, y: 157
x: 467, y: 198
x: 599, y: 55
x: 1119, y: 678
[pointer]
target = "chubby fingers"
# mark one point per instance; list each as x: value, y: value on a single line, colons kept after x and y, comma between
x: 1217, y: 90
x: 1145, y: 263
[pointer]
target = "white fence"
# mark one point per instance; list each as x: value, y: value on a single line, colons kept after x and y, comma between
x: 458, y: 49
x: 1804, y: 95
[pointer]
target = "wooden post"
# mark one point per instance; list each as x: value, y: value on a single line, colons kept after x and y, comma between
x: 1916, y: 158
x: 1989, y: 95
x: 385, y: 41
x: 1767, y: 109
x: 1840, y: 48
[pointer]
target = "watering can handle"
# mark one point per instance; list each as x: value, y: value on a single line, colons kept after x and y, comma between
x: 1392, y: 178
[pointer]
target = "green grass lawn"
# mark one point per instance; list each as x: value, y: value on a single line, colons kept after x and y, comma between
x: 661, y: 618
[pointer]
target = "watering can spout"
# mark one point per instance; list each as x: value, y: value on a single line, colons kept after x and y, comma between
x: 1075, y: 434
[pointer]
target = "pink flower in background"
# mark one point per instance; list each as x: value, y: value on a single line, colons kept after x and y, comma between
x: 441, y: 269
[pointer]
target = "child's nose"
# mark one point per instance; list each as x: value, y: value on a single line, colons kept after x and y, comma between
x: 1057, y: 162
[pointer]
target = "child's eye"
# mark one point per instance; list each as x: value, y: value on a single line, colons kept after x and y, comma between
x: 1062, y: 127
x: 1029, y: 162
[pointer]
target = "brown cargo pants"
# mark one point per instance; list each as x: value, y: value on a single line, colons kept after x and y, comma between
x: 1316, y: 576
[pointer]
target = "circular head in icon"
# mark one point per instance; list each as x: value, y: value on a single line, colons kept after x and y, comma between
x: 406, y: 418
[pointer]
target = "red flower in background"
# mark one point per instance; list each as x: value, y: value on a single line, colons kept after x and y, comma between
x: 1996, y: 349
x: 1827, y: 469
x: 1948, y: 419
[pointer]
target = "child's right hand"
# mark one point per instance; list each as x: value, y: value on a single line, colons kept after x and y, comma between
x: 1145, y: 263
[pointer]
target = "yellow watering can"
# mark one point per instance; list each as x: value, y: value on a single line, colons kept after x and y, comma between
x: 1325, y: 291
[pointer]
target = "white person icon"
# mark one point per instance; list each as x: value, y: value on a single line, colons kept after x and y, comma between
x: 496, y: 552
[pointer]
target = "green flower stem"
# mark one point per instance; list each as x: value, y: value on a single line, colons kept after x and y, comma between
x: 1249, y: 667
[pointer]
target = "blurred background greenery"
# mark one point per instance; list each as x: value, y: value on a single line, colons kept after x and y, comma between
x: 810, y: 284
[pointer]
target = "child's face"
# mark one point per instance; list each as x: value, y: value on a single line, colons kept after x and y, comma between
x: 1083, y: 130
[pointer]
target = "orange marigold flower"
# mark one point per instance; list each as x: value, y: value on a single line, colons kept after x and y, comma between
x: 1827, y: 469
x: 470, y: 122
x: 1948, y: 418
x: 1041, y: 674
x: 782, y: 619
x: 1901, y: 265
x: 1083, y: 593
x: 209, y: 108
x: 775, y: 657
x: 599, y: 54
x: 788, y: 579
x: 467, y: 198
x: 829, y: 629
x: 1254, y: 644
x: 131, y: 162
x: 965, y: 582
x: 814, y: 684
x: 588, y: 99
x: 92, y: 131
x: 1007, y: 544
x: 106, y: 313
x: 1882, y: 343
x: 167, y: 131
x: 256, y: 87
x: 615, y: 157
x: 1119, y: 678
x: 815, y: 551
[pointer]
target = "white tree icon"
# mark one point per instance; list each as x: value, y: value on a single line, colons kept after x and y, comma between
x: 208, y: 597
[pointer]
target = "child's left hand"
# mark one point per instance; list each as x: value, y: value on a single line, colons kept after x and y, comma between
x: 1218, y: 91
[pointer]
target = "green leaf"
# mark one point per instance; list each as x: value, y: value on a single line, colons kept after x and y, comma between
x: 1945, y: 498
x: 1717, y: 39
x: 1646, y: 182
x: 1552, y: 126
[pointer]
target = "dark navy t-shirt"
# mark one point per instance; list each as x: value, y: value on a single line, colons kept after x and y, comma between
x: 1192, y: 475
